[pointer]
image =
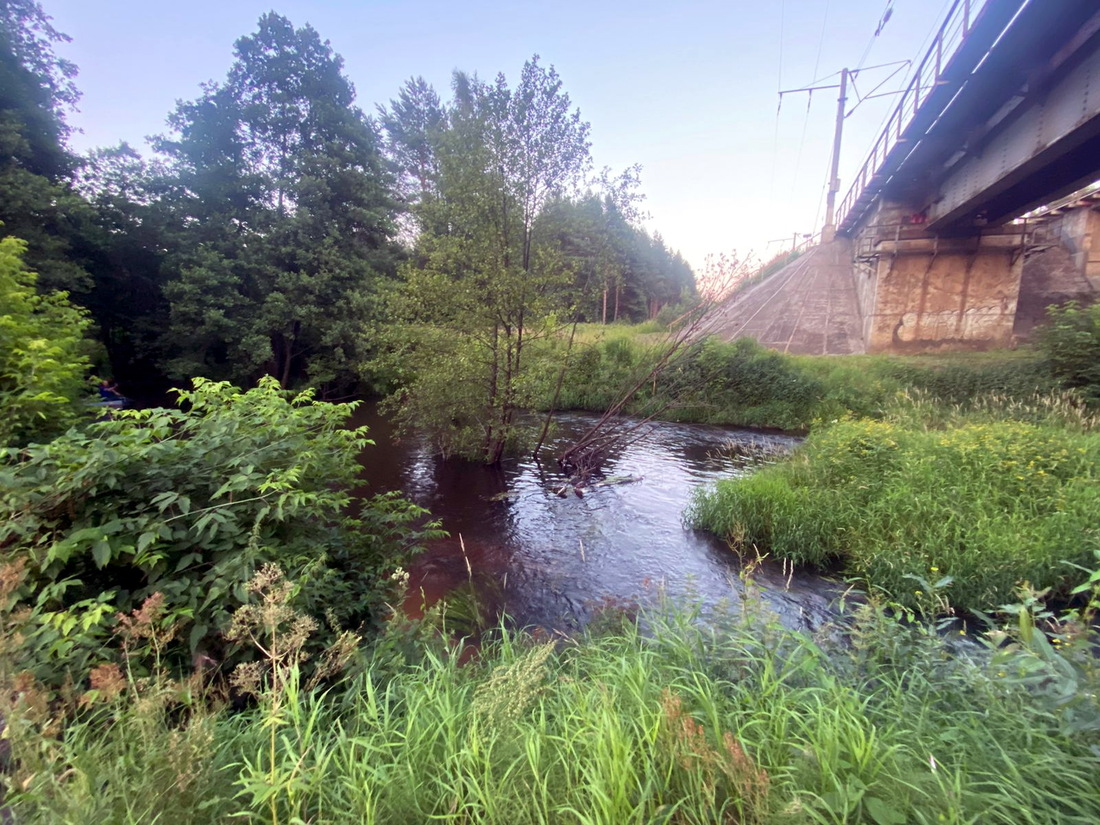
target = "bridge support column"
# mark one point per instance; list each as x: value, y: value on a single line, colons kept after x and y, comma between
x: 1089, y: 249
x: 921, y: 293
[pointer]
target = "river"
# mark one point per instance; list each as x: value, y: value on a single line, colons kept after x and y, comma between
x: 553, y: 559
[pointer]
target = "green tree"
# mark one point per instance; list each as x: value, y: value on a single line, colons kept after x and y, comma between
x: 412, y: 125
x: 277, y: 177
x: 37, y: 202
x: 485, y: 280
x: 1070, y: 340
x: 42, y: 354
x: 621, y: 271
x: 125, y: 243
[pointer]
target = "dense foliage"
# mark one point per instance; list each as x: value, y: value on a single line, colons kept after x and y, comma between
x: 187, y: 504
x: 483, y: 275
x: 43, y: 354
x: 1071, y: 342
x: 264, y: 230
x: 506, y: 252
x: 275, y: 181
x: 37, y: 202
x: 742, y: 383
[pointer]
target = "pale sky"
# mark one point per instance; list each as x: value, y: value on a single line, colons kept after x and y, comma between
x: 687, y: 89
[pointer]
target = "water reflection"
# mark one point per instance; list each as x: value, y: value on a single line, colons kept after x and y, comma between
x: 553, y: 558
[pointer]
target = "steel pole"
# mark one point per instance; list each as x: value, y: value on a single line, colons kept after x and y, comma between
x: 828, y: 232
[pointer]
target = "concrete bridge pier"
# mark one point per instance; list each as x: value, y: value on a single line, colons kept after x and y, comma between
x: 920, y: 292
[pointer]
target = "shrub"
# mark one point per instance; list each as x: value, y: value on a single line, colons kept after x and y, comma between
x: 965, y: 380
x: 185, y: 505
x: 1071, y: 341
x: 744, y: 383
x: 42, y: 354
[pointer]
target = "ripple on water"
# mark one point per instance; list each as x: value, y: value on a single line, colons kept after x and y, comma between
x: 552, y: 558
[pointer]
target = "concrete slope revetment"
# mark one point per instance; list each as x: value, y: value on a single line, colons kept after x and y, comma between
x: 809, y: 307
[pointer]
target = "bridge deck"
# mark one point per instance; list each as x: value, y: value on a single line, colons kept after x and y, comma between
x: 809, y: 307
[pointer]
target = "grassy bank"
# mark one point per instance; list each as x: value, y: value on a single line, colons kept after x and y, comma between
x: 989, y: 496
x: 737, y: 722
x: 740, y: 383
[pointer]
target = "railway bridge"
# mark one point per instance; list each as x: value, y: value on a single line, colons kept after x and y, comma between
x: 1001, y: 117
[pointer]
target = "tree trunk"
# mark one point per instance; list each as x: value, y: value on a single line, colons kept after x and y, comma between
x: 557, y: 393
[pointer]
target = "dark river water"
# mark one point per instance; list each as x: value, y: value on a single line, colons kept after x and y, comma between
x: 554, y: 560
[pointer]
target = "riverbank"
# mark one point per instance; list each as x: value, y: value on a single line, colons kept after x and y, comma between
x: 744, y: 722
x: 743, y: 384
x: 985, y: 504
x: 978, y: 469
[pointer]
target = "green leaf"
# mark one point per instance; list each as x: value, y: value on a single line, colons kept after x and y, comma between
x: 101, y: 553
x: 882, y: 812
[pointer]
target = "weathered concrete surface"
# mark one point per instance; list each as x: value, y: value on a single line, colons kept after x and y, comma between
x: 1062, y: 262
x: 809, y: 307
x: 938, y: 293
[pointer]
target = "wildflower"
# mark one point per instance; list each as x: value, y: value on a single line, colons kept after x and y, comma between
x: 107, y: 683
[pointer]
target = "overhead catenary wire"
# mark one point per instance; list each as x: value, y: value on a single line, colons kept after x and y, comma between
x: 809, y: 102
x: 821, y: 38
x: 778, y: 87
x: 887, y: 13
x: 913, y: 62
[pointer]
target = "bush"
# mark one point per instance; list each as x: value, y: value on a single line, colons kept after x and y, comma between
x: 962, y: 381
x: 187, y: 504
x: 43, y: 354
x: 742, y: 383
x: 1071, y: 341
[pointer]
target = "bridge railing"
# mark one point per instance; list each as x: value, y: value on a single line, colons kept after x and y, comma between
x: 956, y: 26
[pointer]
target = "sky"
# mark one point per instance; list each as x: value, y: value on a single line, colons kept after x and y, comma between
x: 689, y: 90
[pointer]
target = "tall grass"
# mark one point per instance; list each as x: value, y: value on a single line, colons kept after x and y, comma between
x: 986, y: 501
x: 741, y: 383
x: 686, y: 723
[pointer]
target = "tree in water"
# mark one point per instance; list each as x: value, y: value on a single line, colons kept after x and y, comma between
x: 485, y: 280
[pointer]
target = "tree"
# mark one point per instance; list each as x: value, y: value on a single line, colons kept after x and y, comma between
x: 621, y: 271
x: 412, y: 126
x: 37, y: 203
x: 42, y: 354
x: 277, y: 177
x: 30, y: 36
x: 125, y: 243
x: 484, y: 277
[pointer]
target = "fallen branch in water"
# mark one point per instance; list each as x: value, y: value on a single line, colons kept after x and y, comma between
x: 613, y: 431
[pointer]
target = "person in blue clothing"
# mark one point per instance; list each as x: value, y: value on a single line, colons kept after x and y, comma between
x: 109, y: 393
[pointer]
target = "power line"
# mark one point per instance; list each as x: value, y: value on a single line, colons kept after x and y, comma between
x: 809, y: 101
x: 778, y: 87
x: 821, y: 39
x: 882, y: 21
